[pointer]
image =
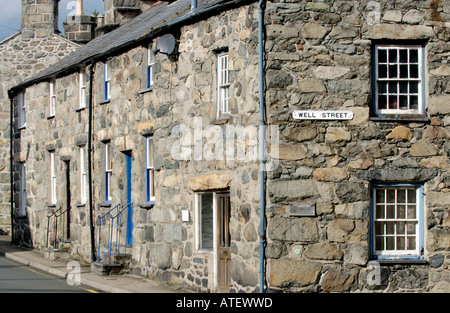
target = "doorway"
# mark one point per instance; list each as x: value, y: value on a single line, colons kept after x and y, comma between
x: 129, y: 162
x: 213, y: 235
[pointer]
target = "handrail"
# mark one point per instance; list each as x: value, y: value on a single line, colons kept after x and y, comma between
x: 55, y: 224
x: 114, y: 215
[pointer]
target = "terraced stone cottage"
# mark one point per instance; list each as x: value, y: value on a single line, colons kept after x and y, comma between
x: 295, y: 146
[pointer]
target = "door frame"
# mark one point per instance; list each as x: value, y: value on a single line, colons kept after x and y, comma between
x: 216, y: 230
x: 129, y: 165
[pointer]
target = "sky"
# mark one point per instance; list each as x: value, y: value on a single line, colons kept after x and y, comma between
x: 10, y: 14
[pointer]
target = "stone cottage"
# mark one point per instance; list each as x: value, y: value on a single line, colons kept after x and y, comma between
x: 35, y: 47
x: 250, y: 146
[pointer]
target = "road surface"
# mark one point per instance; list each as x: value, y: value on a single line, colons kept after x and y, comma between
x: 18, y: 278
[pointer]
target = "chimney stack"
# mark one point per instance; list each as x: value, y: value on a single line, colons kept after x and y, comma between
x: 80, y: 28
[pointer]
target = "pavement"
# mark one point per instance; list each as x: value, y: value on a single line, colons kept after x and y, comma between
x: 110, y: 284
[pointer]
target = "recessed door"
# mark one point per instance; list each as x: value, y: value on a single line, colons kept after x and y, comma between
x: 223, y: 244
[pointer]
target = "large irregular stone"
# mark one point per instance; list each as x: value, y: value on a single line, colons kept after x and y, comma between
x: 293, y: 229
x: 334, y: 174
x: 288, y: 272
x: 210, y: 182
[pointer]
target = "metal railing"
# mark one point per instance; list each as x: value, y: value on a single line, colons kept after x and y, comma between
x: 113, y: 219
x: 56, y: 215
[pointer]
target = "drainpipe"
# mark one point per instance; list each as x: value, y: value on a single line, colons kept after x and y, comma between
x: 262, y: 128
x: 11, y: 159
x: 91, y: 221
x: 193, y: 5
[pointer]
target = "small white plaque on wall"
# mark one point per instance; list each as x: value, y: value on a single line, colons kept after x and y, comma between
x: 184, y: 215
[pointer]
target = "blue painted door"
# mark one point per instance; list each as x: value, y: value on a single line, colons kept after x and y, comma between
x: 130, y: 206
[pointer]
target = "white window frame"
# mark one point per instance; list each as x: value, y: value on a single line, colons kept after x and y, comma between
x: 223, y: 84
x: 21, y: 109
x: 150, y: 64
x: 82, y: 89
x: 52, y: 178
x: 108, y: 75
x: 52, y: 104
x: 150, y: 171
x: 83, y: 176
x: 397, y: 90
x: 23, y: 190
x: 198, y: 222
x: 108, y: 172
x: 397, y: 221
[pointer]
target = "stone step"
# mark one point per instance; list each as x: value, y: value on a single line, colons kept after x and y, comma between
x: 116, y: 266
x: 105, y: 268
x: 57, y: 254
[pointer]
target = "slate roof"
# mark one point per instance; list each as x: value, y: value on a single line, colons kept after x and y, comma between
x: 155, y: 20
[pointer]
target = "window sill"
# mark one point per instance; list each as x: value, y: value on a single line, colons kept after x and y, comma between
x: 223, y: 119
x: 401, y: 118
x: 50, y: 117
x: 105, y: 205
x: 147, y: 206
x: 80, y: 109
x: 22, y: 127
x: 401, y: 261
x: 51, y: 205
x: 146, y: 90
x: 105, y: 102
x: 80, y: 205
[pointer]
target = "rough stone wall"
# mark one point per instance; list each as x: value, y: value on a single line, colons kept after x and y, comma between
x: 23, y: 55
x: 319, y: 57
x: 184, y: 95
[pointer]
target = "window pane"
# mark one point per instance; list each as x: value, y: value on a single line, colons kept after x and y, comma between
x: 393, y: 102
x: 382, y: 71
x: 379, y: 228
x: 382, y: 56
x: 414, y: 102
x: 393, y: 87
x: 401, y: 229
x: 414, y: 71
x: 393, y: 71
x: 379, y: 243
x: 390, y: 243
x: 403, y: 56
x: 411, y: 195
x: 380, y: 211
x: 413, y: 87
x: 382, y: 87
x: 207, y: 221
x: 391, y: 196
x: 390, y: 228
x: 382, y: 102
x: 411, y: 228
x: 392, y: 55
x: 379, y: 195
x: 403, y: 102
x: 413, y: 56
x: 411, y: 243
x: 401, y: 211
x: 403, y: 71
x: 403, y: 87
x: 411, y: 212
x: 401, y: 196
x: 390, y: 211
x: 401, y: 243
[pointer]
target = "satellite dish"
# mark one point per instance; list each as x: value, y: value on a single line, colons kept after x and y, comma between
x: 166, y: 44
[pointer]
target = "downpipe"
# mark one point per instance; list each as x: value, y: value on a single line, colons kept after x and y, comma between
x: 91, y: 218
x: 262, y: 128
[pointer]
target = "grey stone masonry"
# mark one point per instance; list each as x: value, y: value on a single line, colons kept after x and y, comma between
x: 24, y: 54
x: 333, y: 184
